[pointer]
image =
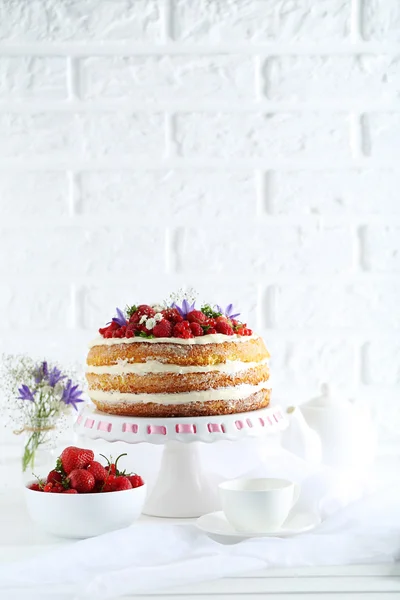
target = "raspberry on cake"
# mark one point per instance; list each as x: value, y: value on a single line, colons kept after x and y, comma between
x: 177, y: 361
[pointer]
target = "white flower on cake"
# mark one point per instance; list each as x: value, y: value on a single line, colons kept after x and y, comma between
x: 150, y: 323
x: 158, y: 317
x: 143, y: 319
x: 158, y: 307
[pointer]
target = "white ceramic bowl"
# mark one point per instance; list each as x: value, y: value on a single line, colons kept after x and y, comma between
x: 85, y: 515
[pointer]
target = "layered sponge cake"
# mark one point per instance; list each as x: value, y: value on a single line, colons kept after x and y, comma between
x: 154, y: 361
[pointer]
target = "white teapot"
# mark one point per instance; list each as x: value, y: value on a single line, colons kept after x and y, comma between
x: 343, y: 429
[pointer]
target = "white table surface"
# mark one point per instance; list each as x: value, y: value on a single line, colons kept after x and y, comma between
x: 20, y: 539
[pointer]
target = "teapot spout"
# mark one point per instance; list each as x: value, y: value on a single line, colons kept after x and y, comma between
x: 300, y: 439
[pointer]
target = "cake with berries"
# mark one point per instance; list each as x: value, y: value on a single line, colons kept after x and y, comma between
x: 175, y: 361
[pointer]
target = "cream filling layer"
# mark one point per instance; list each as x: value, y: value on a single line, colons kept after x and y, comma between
x: 123, y: 367
x: 213, y: 338
x: 237, y: 392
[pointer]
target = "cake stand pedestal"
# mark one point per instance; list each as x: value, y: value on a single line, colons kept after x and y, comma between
x: 182, y: 488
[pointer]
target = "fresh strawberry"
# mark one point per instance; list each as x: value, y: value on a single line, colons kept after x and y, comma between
x: 134, y: 319
x: 196, y: 316
x: 112, y: 468
x: 211, y: 331
x: 98, y: 471
x: 36, y: 487
x: 121, y: 483
x: 109, y: 483
x: 75, y: 458
x: 54, y: 477
x: 48, y: 487
x: 224, y: 327
x: 145, y: 309
x: 82, y: 481
x: 98, y: 487
x: 70, y: 491
x: 162, y: 329
x: 196, y: 329
x: 136, y: 480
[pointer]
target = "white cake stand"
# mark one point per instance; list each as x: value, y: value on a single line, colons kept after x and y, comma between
x: 182, y: 488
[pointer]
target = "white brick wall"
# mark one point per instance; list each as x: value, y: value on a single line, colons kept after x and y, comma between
x: 249, y: 148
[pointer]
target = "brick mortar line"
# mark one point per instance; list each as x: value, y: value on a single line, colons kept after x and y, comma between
x: 130, y: 106
x: 355, y: 22
x: 168, y: 250
x: 166, y: 22
x: 129, y: 161
x: 362, y: 365
x: 261, y: 199
x: 260, y: 81
x: 72, y: 195
x: 169, y: 136
x: 286, y: 281
x: 356, y: 135
x: 361, y: 238
x: 73, y: 80
x: 108, y: 48
x: 73, y: 308
x: 77, y: 219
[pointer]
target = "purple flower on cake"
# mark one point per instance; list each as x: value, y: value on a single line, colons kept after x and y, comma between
x: 185, y: 308
x: 71, y: 395
x: 26, y: 393
x: 120, y: 318
x: 228, y: 312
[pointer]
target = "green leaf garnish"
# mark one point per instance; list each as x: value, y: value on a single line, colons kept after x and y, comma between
x: 130, y: 310
x: 208, y: 310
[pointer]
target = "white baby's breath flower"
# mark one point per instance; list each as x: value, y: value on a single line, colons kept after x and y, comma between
x: 158, y: 317
x: 58, y: 389
x: 158, y: 308
x: 150, y: 323
x: 143, y: 318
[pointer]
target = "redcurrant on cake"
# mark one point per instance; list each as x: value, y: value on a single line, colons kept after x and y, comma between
x: 177, y: 361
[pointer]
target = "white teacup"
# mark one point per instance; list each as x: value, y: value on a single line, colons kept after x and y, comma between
x: 258, y: 505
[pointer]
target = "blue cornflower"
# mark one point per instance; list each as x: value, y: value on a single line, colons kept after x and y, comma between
x: 26, y: 393
x: 228, y: 312
x: 120, y: 318
x: 185, y: 308
x: 55, y: 376
x: 42, y: 372
x: 71, y: 394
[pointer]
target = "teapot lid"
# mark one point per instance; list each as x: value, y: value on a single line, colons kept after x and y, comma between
x: 325, y: 400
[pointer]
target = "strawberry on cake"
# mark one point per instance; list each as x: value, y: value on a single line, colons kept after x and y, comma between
x: 176, y: 361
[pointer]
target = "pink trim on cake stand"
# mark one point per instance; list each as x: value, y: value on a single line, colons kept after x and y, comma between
x: 182, y: 489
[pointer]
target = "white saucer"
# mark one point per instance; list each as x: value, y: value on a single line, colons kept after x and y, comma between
x: 216, y: 526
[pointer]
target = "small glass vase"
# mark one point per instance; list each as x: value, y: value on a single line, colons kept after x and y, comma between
x: 38, y: 455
